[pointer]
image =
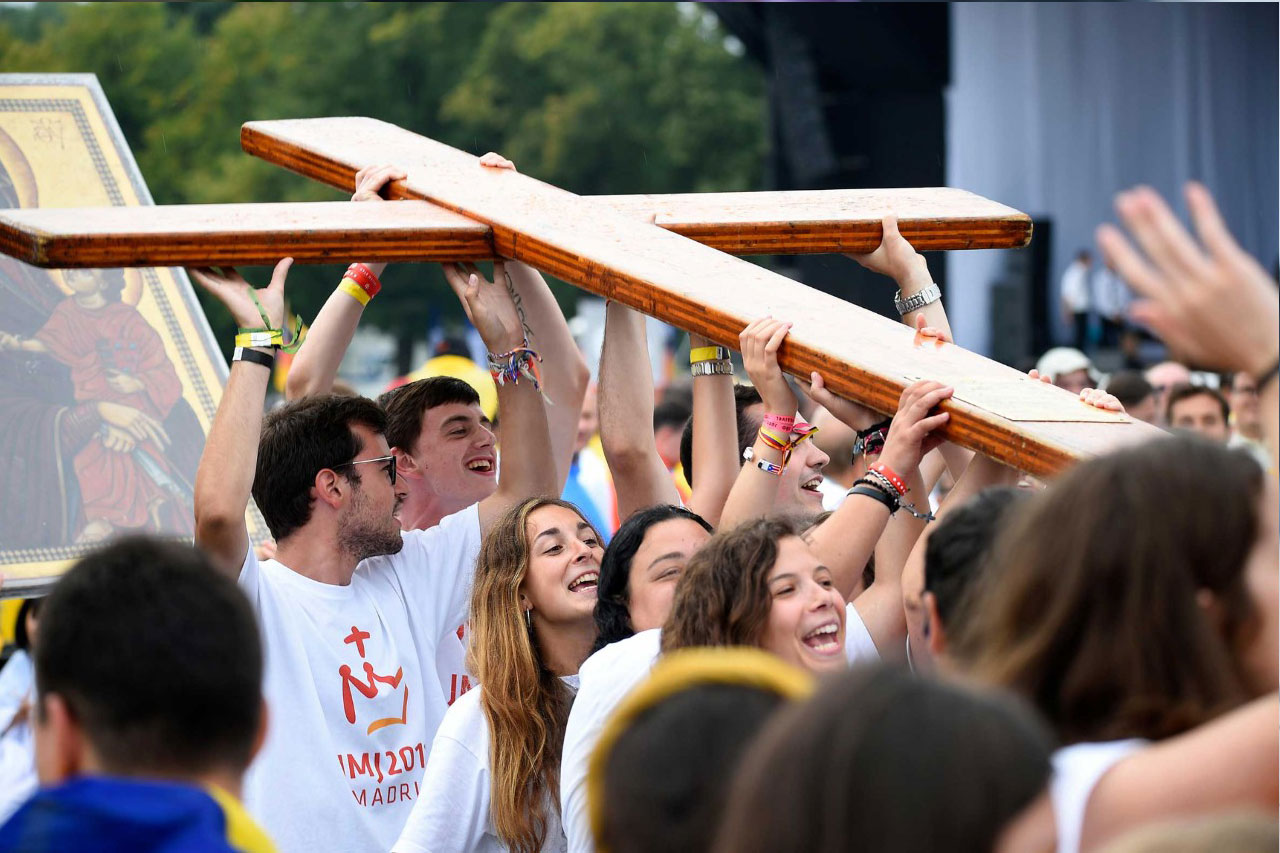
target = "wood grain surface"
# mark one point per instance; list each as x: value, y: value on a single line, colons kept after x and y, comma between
x: 799, y: 222
x: 862, y: 356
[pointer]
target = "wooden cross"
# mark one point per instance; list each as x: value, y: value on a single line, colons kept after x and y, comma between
x: 680, y: 272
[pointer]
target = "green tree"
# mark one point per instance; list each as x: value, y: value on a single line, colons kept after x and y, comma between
x: 599, y: 98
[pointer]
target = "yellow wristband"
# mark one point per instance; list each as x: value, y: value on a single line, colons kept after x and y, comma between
x: 355, y: 291
x: 707, y: 354
x: 267, y: 338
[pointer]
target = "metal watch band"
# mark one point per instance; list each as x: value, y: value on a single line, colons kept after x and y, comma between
x: 917, y: 300
x: 711, y: 368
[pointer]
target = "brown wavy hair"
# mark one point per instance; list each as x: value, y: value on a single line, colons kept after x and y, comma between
x: 1089, y: 605
x: 525, y: 704
x: 723, y: 599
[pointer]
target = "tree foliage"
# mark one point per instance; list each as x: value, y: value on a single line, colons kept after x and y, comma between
x: 595, y: 97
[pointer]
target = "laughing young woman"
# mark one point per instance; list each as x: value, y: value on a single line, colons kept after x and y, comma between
x: 492, y: 784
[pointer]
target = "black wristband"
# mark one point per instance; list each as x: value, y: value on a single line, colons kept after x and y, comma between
x: 254, y: 357
x: 1267, y: 377
x: 873, y: 491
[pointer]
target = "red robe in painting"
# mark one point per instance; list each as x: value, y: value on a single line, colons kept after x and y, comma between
x: 91, y: 341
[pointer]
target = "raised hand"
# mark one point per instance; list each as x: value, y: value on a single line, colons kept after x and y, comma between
x: 895, y: 257
x: 493, y: 160
x: 1089, y: 396
x: 371, y: 180
x: 853, y: 415
x: 489, y: 306
x: 759, y: 343
x: 924, y: 330
x: 1212, y: 304
x: 233, y: 291
x: 913, y: 433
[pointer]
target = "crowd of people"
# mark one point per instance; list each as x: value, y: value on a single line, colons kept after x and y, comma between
x: 789, y: 651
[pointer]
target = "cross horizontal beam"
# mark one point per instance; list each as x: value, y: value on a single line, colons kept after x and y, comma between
x: 864, y: 357
x: 799, y: 222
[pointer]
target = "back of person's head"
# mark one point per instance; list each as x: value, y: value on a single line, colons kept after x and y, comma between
x: 612, y: 613
x: 1130, y: 387
x: 674, y: 409
x: 155, y: 658
x: 1116, y: 599
x: 28, y: 614
x: 405, y: 406
x: 299, y: 439
x: 744, y: 396
x: 960, y: 544
x: 660, y: 775
x: 723, y: 598
x: 881, y: 760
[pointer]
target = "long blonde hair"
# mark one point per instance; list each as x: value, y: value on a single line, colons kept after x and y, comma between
x: 525, y: 704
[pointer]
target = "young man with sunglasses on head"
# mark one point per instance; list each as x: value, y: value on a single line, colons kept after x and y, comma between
x: 352, y: 610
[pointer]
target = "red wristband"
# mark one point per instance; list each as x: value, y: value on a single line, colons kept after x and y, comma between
x: 363, y: 276
x: 890, y: 475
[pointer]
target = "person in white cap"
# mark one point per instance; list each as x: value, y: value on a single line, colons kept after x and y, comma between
x: 1068, y: 368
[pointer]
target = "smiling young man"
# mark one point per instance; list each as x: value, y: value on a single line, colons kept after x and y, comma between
x: 352, y: 610
x: 444, y: 443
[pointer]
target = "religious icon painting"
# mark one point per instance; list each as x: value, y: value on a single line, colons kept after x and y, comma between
x: 109, y: 378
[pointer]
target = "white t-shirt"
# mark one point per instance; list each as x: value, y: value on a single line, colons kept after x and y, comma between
x: 451, y: 664
x: 1075, y: 288
x: 1077, y: 769
x: 609, y: 675
x: 17, y: 744
x: 453, y: 814
x: 352, y: 690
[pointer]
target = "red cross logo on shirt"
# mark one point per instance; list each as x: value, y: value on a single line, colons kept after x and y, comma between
x: 368, y: 688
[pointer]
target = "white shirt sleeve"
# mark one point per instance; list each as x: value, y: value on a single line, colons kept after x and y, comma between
x: 250, y: 577
x: 451, y: 814
x: 436, y: 566
x: 858, y: 645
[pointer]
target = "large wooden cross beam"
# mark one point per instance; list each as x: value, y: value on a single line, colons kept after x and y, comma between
x: 618, y: 254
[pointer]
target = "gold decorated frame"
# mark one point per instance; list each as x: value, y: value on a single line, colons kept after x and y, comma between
x: 77, y: 156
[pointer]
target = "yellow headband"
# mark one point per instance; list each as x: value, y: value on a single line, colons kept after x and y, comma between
x: 674, y: 673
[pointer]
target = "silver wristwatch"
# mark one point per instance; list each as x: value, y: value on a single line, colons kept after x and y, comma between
x: 917, y: 300
x: 711, y: 368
